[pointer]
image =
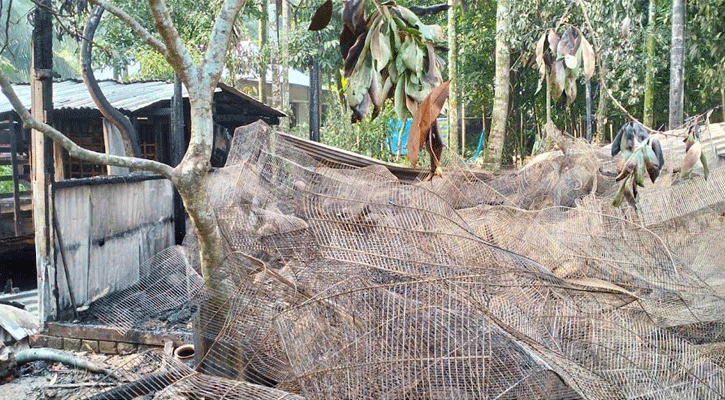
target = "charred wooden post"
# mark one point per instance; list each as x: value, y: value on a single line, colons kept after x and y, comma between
x: 42, y: 164
x: 176, y: 153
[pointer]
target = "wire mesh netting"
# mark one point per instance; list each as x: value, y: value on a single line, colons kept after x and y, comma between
x: 345, y: 283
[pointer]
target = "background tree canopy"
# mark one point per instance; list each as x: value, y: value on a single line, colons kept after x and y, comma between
x: 622, y: 60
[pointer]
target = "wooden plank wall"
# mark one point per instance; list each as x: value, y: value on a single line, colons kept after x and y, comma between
x: 108, y: 230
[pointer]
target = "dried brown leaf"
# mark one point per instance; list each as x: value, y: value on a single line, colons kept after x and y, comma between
x: 568, y: 44
x: 553, y: 39
x: 322, y: 16
x: 354, y: 54
x: 588, y: 58
x: 424, y: 118
x: 353, y: 15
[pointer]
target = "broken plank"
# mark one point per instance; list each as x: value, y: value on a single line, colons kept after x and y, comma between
x: 99, y: 332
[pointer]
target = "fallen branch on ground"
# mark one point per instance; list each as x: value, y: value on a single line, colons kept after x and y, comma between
x: 30, y: 355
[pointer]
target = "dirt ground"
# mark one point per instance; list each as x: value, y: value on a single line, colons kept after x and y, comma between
x: 26, y: 387
x: 54, y: 381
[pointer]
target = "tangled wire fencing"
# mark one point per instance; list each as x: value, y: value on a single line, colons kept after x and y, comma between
x: 344, y: 283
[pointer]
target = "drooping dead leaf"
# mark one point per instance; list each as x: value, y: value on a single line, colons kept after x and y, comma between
x: 322, y: 16
x: 380, y: 46
x: 347, y: 40
x: 354, y: 54
x: 430, y: 76
x: 588, y: 58
x: 539, y: 52
x: 568, y: 44
x: 353, y: 15
x: 353, y: 24
x: 424, y: 118
x: 557, y: 78
x: 625, y: 28
x: 411, y: 105
x: 553, y: 39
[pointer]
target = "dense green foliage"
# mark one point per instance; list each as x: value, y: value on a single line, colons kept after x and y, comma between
x: 7, y: 186
x: 621, y: 60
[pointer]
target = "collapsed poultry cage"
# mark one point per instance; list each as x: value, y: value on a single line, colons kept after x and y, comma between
x: 344, y: 283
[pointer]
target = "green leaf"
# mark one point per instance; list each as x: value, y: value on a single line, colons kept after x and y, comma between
x: 400, y: 108
x: 639, y: 172
x: 417, y: 89
x: 408, y: 16
x: 393, y: 28
x: 431, y: 33
x: 705, y: 167
x: 368, y: 39
x: 393, y: 71
x: 412, y: 55
x: 399, y: 63
x: 359, y: 83
x: 620, y: 193
x: 380, y: 46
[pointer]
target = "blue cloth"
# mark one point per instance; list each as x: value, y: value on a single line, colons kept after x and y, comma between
x: 394, y: 129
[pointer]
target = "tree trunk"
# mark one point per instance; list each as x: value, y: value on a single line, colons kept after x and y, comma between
x: 262, y: 84
x: 588, y: 92
x: 191, y: 176
x: 677, y: 63
x: 722, y: 102
x: 275, y: 56
x: 285, y: 125
x: 649, y: 77
x: 501, y: 94
x: 548, y: 99
x: 601, y: 116
x: 453, y: 76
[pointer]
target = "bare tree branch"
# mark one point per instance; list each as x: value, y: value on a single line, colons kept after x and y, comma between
x: 128, y: 132
x: 178, y: 56
x: 220, y: 37
x: 136, y: 27
x: 73, y: 149
x: 7, y: 25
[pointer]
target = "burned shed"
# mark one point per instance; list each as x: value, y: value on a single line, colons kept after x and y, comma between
x: 100, y: 216
x: 148, y: 106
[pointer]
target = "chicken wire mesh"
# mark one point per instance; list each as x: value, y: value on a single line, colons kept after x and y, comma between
x: 344, y: 283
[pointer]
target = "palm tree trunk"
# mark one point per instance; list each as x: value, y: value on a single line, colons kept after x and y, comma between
x: 285, y: 125
x: 649, y: 77
x: 262, y: 84
x: 452, y: 68
x: 677, y: 63
x: 501, y: 94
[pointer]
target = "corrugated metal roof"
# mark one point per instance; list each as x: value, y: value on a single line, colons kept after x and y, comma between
x: 323, y: 152
x: 129, y: 97
x: 72, y: 94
